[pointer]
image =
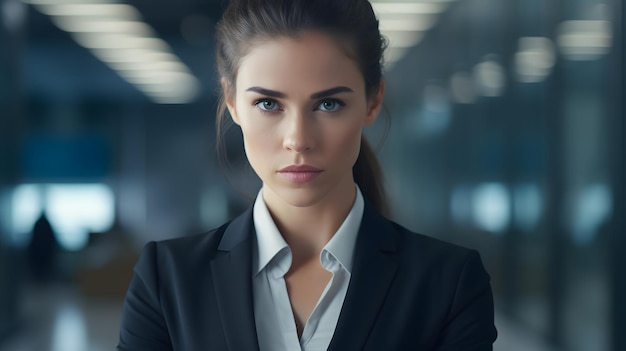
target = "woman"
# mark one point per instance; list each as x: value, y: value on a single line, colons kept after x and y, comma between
x: 313, y: 264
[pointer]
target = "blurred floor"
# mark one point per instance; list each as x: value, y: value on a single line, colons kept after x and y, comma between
x: 513, y: 337
x: 61, y: 318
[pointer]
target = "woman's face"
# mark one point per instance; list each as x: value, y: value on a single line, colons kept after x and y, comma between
x: 301, y: 106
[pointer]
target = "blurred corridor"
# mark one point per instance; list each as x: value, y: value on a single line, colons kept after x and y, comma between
x: 62, y: 319
x: 506, y: 135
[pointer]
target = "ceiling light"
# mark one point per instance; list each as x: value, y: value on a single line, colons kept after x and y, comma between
x: 77, y: 24
x: 403, y: 23
x: 119, y: 11
x: 394, y: 54
x: 463, y: 88
x: 410, y: 24
x: 584, y: 40
x: 118, y: 41
x: 152, y: 66
x: 398, y: 39
x: 382, y: 8
x: 535, y: 59
x: 116, y: 34
x: 133, y: 55
x: 490, y: 77
x: 60, y: 2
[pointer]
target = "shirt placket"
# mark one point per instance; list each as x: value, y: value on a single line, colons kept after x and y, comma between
x: 330, y: 291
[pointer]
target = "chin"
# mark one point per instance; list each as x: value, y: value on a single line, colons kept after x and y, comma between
x: 298, y: 197
x: 301, y: 198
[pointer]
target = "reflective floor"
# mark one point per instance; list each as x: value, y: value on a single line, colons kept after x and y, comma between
x: 61, y: 318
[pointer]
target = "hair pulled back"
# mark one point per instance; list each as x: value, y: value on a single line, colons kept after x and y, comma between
x: 351, y: 22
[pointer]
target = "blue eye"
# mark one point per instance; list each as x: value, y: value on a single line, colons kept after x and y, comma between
x: 267, y: 105
x: 330, y: 105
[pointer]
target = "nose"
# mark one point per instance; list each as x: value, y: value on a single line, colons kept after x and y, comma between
x: 299, y: 133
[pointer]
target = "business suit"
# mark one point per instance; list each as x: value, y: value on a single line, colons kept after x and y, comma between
x: 407, y: 292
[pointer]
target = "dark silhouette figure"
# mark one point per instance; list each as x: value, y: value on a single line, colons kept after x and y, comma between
x: 42, y: 250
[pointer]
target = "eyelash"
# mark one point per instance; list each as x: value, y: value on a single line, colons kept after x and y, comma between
x: 336, y: 101
x: 331, y: 100
x: 260, y: 101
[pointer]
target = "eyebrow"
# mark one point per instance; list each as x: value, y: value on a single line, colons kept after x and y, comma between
x: 318, y: 95
x: 329, y: 92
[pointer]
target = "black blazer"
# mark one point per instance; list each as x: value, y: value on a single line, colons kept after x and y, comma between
x: 407, y: 292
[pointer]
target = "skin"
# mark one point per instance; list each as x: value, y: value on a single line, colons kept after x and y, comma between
x: 302, y: 101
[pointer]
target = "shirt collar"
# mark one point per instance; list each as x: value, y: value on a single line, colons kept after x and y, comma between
x: 341, y: 245
x: 270, y: 242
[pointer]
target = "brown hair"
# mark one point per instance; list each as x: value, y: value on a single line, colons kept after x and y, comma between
x: 352, y: 22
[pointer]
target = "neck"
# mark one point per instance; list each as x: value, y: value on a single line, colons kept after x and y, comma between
x: 308, y: 229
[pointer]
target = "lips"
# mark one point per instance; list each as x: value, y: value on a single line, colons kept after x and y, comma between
x: 300, y: 173
x: 300, y: 168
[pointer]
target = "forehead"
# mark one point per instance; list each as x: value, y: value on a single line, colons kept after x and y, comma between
x: 312, y: 59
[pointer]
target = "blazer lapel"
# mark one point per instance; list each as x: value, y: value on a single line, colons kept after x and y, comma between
x: 373, y: 271
x: 232, y: 275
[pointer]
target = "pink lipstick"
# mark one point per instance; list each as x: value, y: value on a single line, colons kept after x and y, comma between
x: 300, y: 174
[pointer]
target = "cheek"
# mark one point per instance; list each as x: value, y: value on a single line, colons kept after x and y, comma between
x: 258, y: 146
x: 253, y: 142
x: 252, y: 137
x: 346, y: 143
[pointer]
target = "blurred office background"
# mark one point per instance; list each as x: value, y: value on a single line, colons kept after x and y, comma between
x: 506, y: 136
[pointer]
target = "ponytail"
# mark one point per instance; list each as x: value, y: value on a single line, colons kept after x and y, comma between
x: 369, y: 177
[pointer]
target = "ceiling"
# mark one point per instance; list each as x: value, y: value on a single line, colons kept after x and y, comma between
x: 57, y: 68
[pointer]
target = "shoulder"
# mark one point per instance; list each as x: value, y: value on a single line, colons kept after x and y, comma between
x: 454, y: 274
x: 437, y: 258
x: 191, y: 254
x: 180, y: 253
x: 207, y: 241
x: 428, y: 246
x: 190, y: 245
x: 388, y: 235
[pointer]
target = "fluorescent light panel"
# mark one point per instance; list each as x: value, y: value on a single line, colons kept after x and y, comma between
x: 394, y: 54
x: 59, y: 2
x: 116, y: 34
x: 119, y: 11
x: 104, y: 25
x: 534, y: 59
x: 157, y: 66
x: 133, y: 55
x: 115, y: 41
x: 584, y: 40
x: 403, y: 39
x: 413, y: 24
x: 404, y: 23
x: 413, y: 8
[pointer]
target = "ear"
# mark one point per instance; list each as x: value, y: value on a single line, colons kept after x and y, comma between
x: 374, y: 104
x: 229, y: 99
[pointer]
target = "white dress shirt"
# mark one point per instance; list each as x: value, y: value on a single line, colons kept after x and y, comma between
x: 274, y: 318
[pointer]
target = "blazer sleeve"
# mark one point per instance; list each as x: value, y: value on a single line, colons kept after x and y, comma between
x: 143, y: 326
x: 470, y: 323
